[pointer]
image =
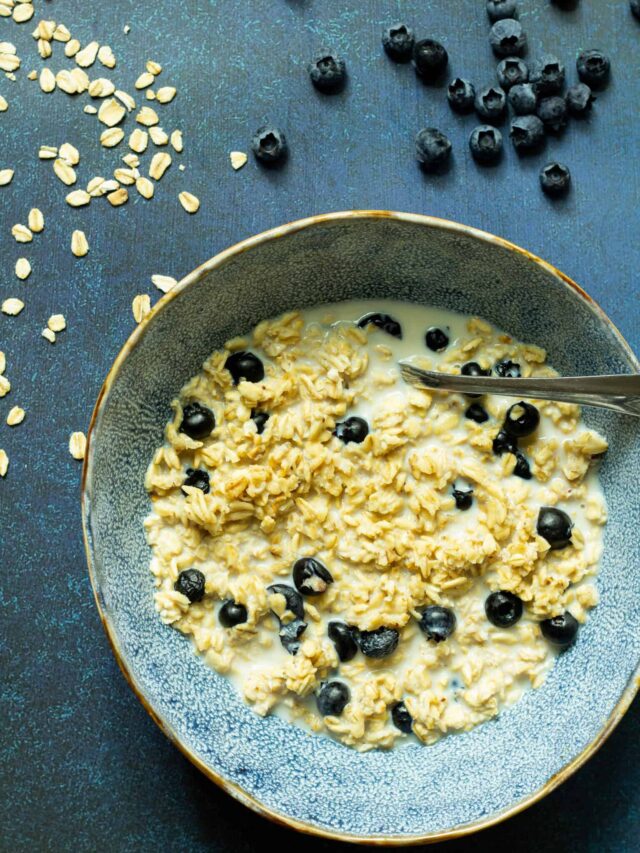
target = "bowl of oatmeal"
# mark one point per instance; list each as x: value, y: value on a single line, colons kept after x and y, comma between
x: 321, y: 581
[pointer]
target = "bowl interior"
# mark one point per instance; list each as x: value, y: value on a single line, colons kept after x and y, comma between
x: 312, y: 781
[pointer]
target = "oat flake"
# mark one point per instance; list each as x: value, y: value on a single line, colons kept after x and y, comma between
x: 238, y: 159
x: 191, y: 203
x: 57, y: 323
x: 147, y: 117
x: 36, y: 220
x: 21, y: 233
x: 64, y: 171
x: 15, y: 416
x: 111, y: 137
x: 145, y: 187
x: 79, y: 244
x: 77, y: 445
x: 78, y: 198
x: 4, y: 463
x: 12, y: 306
x: 23, y: 268
x: 5, y: 386
x: 6, y: 176
x: 141, y: 306
x: 49, y: 335
x: 118, y: 197
x: 165, y: 283
x: 159, y: 165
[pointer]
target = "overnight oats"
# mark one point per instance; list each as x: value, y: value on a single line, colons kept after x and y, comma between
x: 368, y: 559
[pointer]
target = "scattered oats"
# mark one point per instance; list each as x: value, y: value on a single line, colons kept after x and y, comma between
x: 44, y: 48
x: 61, y: 33
x: 47, y: 152
x: 11, y: 76
x: 33, y: 75
x: 15, y: 416
x: 57, y: 323
x: 64, y: 171
x: 90, y: 110
x: 12, y: 306
x: 3, y: 362
x: 141, y: 306
x: 87, y: 56
x: 23, y: 13
x: 9, y: 62
x: 78, y: 198
x: 4, y: 463
x: 106, y: 57
x: 126, y: 99
x: 166, y: 94
x: 4, y: 106
x: 153, y: 67
x: 127, y: 29
x: 23, y: 268
x: 69, y: 153
x: 160, y: 162
x: 47, y: 80
x: 131, y: 160
x: 147, y: 117
x: 77, y: 445
x: 150, y: 95
x: 144, y: 80
x: 238, y: 159
x: 138, y: 140
x: 49, y: 335
x: 118, y: 197
x: 165, y: 283
x: 109, y: 186
x: 5, y: 8
x: 21, y: 233
x: 191, y: 203
x: 145, y: 187
x: 158, y: 136
x: 126, y: 176
x: 101, y: 87
x: 176, y: 141
x: 6, y: 176
x: 79, y: 244
x: 44, y: 30
x: 36, y: 220
x: 111, y: 137
x: 182, y: 167
x: 81, y: 79
x: 66, y: 82
x: 71, y: 48
x: 111, y: 112
x: 5, y: 386
x: 94, y: 185
x: 7, y: 47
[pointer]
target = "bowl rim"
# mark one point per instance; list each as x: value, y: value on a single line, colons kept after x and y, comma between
x: 232, y: 788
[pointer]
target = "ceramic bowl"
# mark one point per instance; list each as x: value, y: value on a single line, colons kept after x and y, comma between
x: 418, y: 793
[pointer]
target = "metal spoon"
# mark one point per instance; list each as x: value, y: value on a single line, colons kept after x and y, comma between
x: 620, y: 393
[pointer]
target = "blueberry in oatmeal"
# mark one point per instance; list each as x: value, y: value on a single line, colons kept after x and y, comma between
x: 437, y: 623
x: 292, y: 599
x: 504, y: 443
x: 560, y: 630
x: 333, y: 698
x: 379, y: 643
x: 354, y: 430
x: 476, y: 412
x: 401, y: 718
x: 436, y: 340
x: 310, y: 576
x: 260, y: 420
x: 381, y: 321
x: 463, y: 498
x: 231, y: 614
x: 507, y: 368
x: 343, y: 637
x: 197, y: 421
x: 190, y: 582
x: 290, y: 634
x: 522, y: 468
x: 521, y: 419
x: 196, y: 479
x: 245, y: 365
x: 555, y: 526
x: 503, y: 609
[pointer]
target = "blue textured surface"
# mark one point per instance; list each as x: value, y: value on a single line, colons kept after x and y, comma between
x: 83, y: 767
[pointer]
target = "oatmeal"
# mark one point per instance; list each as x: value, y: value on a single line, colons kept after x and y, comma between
x: 370, y: 560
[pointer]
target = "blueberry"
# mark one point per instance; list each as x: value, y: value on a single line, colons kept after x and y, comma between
x: 269, y: 145
x: 472, y: 368
x: 231, y: 614
x: 310, y: 576
x: 332, y: 698
x: 197, y: 479
x: 555, y: 526
x: 593, y: 68
x: 555, y: 179
x: 290, y: 635
x: 291, y: 596
x: 244, y: 365
x: 429, y: 59
x: 560, y: 630
x: 527, y: 133
x: 476, y: 413
x: 521, y: 419
x: 402, y: 718
x: 463, y: 498
x: 553, y: 113
x: 491, y: 103
x: 507, y: 38
x: 379, y: 643
x: 433, y: 149
x: 498, y: 9
x: 461, y: 95
x: 436, y: 339
x: 437, y: 623
x: 635, y: 8
x: 547, y: 75
x: 190, y: 583
x: 398, y: 42
x: 579, y: 99
x: 485, y: 143
x: 382, y: 321
x: 511, y: 72
x: 503, y: 609
x: 343, y: 638
x: 260, y: 420
x: 508, y: 369
x: 504, y: 443
x: 354, y: 430
x: 197, y: 421
x: 521, y: 468
x: 328, y: 72
x: 523, y: 99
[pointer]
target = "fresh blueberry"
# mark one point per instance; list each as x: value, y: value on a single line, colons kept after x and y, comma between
x: 310, y: 576
x: 290, y: 635
x: 379, y: 643
x: 491, y: 103
x: 504, y: 443
x: 635, y: 8
x: 437, y: 623
x: 547, y: 75
x: 593, y: 68
x: 429, y: 59
x: 332, y: 698
x: 560, y: 630
x: 197, y: 479
x: 523, y: 99
x: 382, y: 321
x: 580, y: 99
x: 260, y: 420
x: 436, y: 339
x: 231, y: 614
x: 328, y: 72
x: 527, y: 134
x: 512, y: 71
x: 190, y: 583
x: 485, y: 143
x: 292, y: 598
x: 463, y: 498
x: 555, y: 179
x: 398, y: 42
x: 552, y: 111
x: 507, y: 38
x: 507, y: 369
x: 244, y: 365
x: 555, y: 526
x: 503, y: 609
x: 521, y: 468
x: 521, y: 419
x: 472, y: 368
x: 197, y: 421
x: 402, y: 718
x: 461, y: 95
x: 269, y: 145
x: 476, y: 413
x: 499, y: 9
x: 433, y: 149
x: 343, y: 638
x: 354, y: 430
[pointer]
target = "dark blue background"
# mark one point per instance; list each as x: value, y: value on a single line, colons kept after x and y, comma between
x: 83, y: 767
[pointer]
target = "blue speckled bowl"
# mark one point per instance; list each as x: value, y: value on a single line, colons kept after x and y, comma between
x: 463, y: 782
